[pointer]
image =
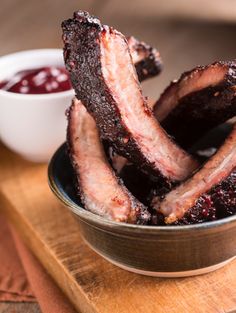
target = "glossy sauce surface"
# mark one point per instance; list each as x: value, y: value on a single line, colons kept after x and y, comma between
x: 38, y: 81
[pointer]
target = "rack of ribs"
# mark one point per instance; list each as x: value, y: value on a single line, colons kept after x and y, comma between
x: 104, y: 78
x: 200, y: 100
x: 100, y: 190
x: 209, y: 194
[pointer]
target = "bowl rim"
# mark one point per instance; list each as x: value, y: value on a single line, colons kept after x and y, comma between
x: 45, y: 96
x: 101, y: 221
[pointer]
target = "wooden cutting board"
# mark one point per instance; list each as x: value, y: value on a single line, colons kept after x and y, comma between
x: 91, y: 283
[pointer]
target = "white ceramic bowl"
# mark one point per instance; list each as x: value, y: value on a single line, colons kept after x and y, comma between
x: 32, y: 125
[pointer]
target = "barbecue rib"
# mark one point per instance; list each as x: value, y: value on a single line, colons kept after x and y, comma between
x: 146, y: 59
x: 210, y: 194
x: 103, y: 76
x: 100, y: 190
x: 200, y: 100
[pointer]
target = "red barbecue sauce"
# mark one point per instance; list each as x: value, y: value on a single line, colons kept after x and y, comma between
x: 38, y: 81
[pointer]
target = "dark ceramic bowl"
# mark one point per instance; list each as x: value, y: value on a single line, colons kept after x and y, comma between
x: 164, y: 251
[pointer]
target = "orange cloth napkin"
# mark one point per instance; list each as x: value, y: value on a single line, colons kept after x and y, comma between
x: 22, y: 278
x: 14, y: 285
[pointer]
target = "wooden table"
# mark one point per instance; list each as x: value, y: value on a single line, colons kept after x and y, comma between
x: 91, y: 283
x: 183, y: 44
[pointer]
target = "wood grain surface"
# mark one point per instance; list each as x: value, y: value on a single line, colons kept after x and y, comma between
x: 91, y: 283
x: 8, y: 307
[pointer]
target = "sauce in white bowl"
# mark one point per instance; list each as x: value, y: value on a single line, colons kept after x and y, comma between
x: 33, y: 125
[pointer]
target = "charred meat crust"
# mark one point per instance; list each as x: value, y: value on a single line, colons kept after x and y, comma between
x: 209, y: 194
x: 146, y: 59
x: 82, y: 37
x: 122, y: 205
x: 218, y: 203
x: 197, y: 112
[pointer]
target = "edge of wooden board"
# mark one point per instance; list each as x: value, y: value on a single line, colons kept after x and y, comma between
x: 50, y: 262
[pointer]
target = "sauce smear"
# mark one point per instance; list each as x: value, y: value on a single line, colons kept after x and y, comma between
x: 38, y: 81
